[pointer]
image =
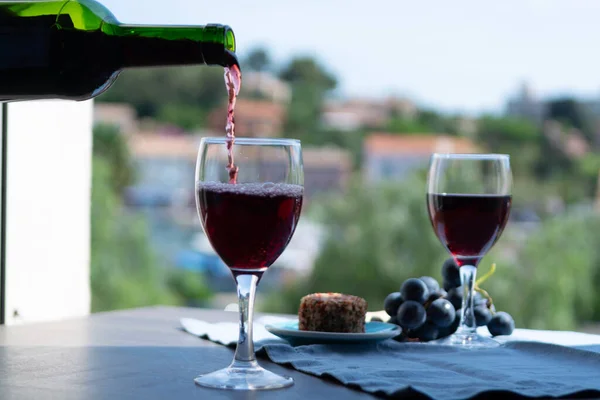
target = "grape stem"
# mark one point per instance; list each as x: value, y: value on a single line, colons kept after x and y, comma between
x: 483, y: 292
x: 486, y: 276
x: 487, y: 296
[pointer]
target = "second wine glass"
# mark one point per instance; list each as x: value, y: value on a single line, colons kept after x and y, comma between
x: 469, y: 200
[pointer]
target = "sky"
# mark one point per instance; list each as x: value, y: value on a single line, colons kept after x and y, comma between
x: 457, y: 56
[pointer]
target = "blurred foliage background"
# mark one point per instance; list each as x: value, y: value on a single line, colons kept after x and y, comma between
x: 377, y: 234
x: 125, y: 272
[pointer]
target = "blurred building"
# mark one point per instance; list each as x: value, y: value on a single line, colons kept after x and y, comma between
x: 266, y: 86
x: 119, y: 114
x: 394, y: 157
x: 253, y: 118
x: 526, y: 105
x: 164, y: 167
x: 467, y: 127
x: 354, y: 114
x: 400, y: 107
x: 326, y: 170
x: 570, y: 141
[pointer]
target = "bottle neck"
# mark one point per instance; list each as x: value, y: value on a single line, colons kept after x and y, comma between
x: 153, y: 46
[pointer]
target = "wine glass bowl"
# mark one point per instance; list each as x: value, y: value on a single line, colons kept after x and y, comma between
x: 249, y: 224
x: 469, y: 241
x: 468, y: 201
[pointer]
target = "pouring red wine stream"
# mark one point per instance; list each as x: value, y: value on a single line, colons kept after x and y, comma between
x: 233, y: 82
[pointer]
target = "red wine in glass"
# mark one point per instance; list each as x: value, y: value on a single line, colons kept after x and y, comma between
x: 468, y: 225
x: 249, y: 224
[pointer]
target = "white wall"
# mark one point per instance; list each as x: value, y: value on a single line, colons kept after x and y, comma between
x: 48, y: 210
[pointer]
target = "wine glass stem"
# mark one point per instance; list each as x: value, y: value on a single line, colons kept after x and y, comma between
x: 468, y: 274
x: 246, y: 290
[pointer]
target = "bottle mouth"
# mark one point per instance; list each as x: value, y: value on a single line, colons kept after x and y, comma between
x: 220, y: 46
x: 230, y: 46
x: 229, y: 39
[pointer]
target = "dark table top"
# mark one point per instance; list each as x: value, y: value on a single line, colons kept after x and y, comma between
x: 133, y: 354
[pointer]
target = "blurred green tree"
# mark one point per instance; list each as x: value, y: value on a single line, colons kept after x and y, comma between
x: 380, y: 235
x: 517, y: 137
x: 304, y: 112
x: 125, y: 271
x: 170, y: 94
x: 307, y: 71
x: 110, y: 144
x: 436, y: 122
x: 310, y: 84
x: 589, y: 165
x: 425, y: 121
x: 552, y: 281
x: 536, y: 161
x: 500, y: 133
x: 258, y: 60
x: 407, y: 126
x: 189, y: 288
x: 570, y: 112
x: 185, y: 116
x: 377, y: 236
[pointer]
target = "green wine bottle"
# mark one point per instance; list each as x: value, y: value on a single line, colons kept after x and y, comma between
x: 75, y: 49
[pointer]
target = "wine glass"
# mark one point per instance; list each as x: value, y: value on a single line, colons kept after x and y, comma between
x: 469, y: 200
x: 249, y: 224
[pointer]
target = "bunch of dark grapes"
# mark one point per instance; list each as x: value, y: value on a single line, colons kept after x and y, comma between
x: 426, y: 311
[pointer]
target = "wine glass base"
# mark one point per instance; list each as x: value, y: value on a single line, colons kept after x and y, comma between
x: 467, y: 341
x: 251, y: 377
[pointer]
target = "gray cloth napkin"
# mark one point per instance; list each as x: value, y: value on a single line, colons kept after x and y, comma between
x: 525, y: 368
